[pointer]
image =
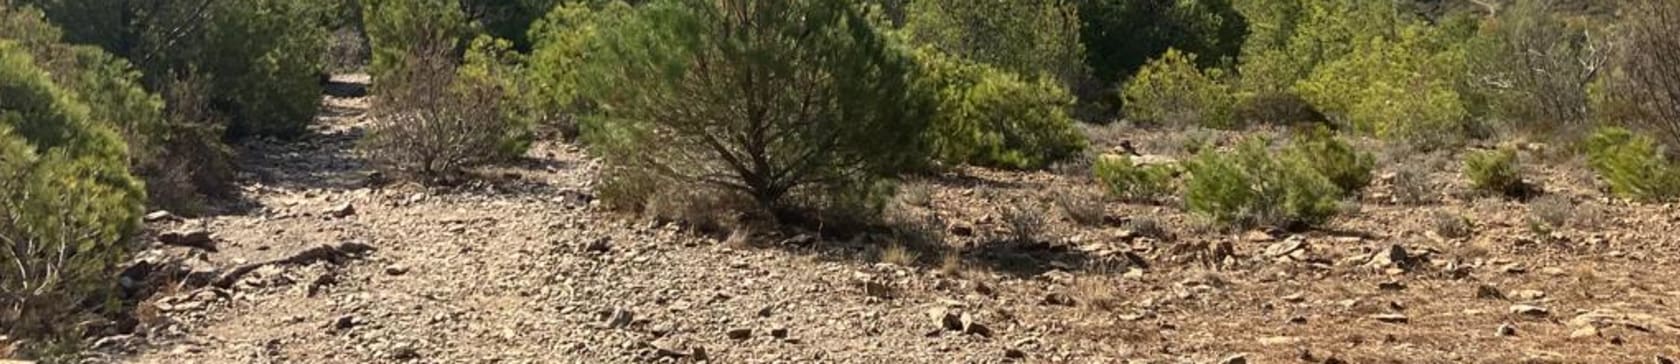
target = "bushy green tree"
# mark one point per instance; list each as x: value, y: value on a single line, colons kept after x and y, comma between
x: 1634, y: 165
x: 396, y: 29
x: 67, y: 201
x: 1406, y: 87
x: 991, y: 117
x: 550, y: 98
x: 265, y: 58
x: 764, y: 97
x: 1289, y: 39
x: 1121, y: 36
x: 1249, y: 186
x: 1171, y: 90
x: 1029, y: 38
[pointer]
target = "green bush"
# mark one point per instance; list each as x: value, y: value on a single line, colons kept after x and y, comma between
x: 1170, y: 90
x: 832, y: 106
x: 1495, y: 171
x: 551, y: 100
x: 180, y: 154
x: 1029, y: 38
x: 1249, y: 187
x: 1334, y: 158
x: 67, y: 199
x: 1634, y: 165
x: 1398, y: 89
x: 434, y: 118
x: 1534, y: 66
x: 1276, y: 108
x: 1126, y: 179
x: 994, y: 118
x: 398, y: 29
x: 264, y: 59
x: 1289, y: 39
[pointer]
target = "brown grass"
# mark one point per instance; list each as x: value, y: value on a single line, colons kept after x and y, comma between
x: 897, y: 254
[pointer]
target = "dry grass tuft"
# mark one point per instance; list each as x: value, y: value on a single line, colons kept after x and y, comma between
x: 897, y: 254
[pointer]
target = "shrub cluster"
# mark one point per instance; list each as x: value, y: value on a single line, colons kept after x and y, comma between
x: 1252, y: 186
x: 1496, y: 171
x: 1128, y: 180
x: 1172, y: 90
x: 1633, y: 165
x: 990, y: 117
x: 67, y: 201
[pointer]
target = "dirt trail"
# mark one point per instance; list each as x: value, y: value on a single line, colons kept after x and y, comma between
x: 522, y: 268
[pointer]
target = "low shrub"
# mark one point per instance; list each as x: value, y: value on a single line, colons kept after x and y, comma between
x: 1495, y: 171
x: 1334, y: 158
x: 1171, y: 90
x: 1125, y: 179
x: 1250, y: 187
x: 1276, y: 108
x: 1451, y: 226
x: 1025, y: 221
x: 433, y: 119
x: 1082, y: 209
x: 1634, y: 165
x: 994, y: 118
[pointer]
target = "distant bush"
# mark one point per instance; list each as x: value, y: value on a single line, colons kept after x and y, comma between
x: 1126, y: 179
x: 1250, y: 187
x: 1121, y: 36
x: 1334, y: 158
x: 1644, y: 78
x: 551, y: 98
x: 1029, y: 38
x: 1634, y: 165
x: 994, y: 118
x: 67, y: 200
x: 435, y: 119
x: 831, y: 113
x: 1497, y: 171
x: 1534, y: 66
x: 265, y: 58
x: 396, y: 29
x: 1403, y: 88
x: 1171, y: 90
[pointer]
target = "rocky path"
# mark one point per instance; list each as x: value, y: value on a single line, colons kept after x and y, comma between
x: 320, y: 265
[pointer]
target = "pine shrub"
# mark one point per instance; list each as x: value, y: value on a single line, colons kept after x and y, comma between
x: 1495, y: 171
x: 1124, y: 178
x: 1250, y: 187
x: 1171, y: 90
x: 1634, y: 165
x: 994, y: 118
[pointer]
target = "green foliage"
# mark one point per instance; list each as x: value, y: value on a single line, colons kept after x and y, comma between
x: 1030, y: 38
x: 1634, y: 165
x: 1121, y: 36
x: 1126, y: 179
x: 551, y: 98
x: 1402, y: 88
x: 264, y: 58
x: 991, y: 117
x: 398, y: 29
x: 1277, y: 108
x: 511, y: 19
x: 1641, y: 87
x: 67, y: 201
x: 1346, y: 167
x: 1495, y: 171
x: 1172, y: 91
x: 1250, y: 187
x: 768, y: 98
x: 1289, y: 39
x: 435, y: 118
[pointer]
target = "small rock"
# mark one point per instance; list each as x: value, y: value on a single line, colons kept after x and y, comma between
x: 1506, y: 330
x: 340, y: 211
x: 1259, y: 236
x: 159, y: 215
x: 344, y: 322
x: 1057, y: 299
x: 1529, y: 310
x: 698, y: 353
x: 962, y: 230
x: 192, y: 238
x: 599, y: 245
x: 1288, y: 246
x: 779, y: 332
x: 1295, y: 297
x: 1662, y: 360
x: 1235, y: 359
x: 739, y: 334
x: 620, y: 318
x: 1528, y: 295
x: 1393, y: 318
x: 972, y: 326
x: 1013, y: 353
x: 396, y: 269
x: 1489, y: 293
x: 1584, y: 332
x: 1391, y: 286
x: 945, y: 318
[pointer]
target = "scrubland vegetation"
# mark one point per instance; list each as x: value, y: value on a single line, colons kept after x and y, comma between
x: 812, y: 113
